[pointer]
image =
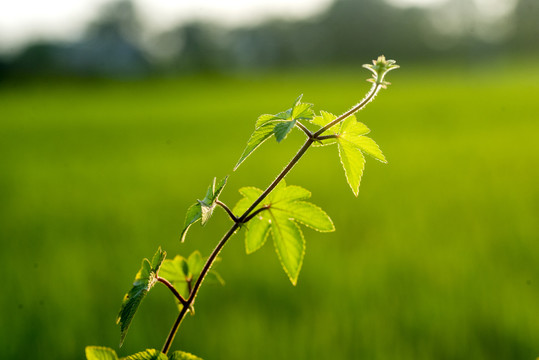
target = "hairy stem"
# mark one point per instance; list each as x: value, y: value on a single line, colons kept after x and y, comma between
x: 246, y: 216
x: 255, y: 213
x: 304, y: 129
x: 173, y: 289
x: 228, y: 211
x: 370, y: 95
x: 194, y: 291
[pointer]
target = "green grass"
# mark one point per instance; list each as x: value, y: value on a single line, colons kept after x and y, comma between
x: 436, y: 259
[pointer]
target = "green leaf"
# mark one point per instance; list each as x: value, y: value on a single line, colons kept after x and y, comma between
x: 353, y: 163
x: 150, y: 354
x: 213, y: 277
x: 324, y: 119
x: 257, y: 233
x: 176, y: 271
x: 194, y: 213
x: 203, y: 209
x: 309, y: 215
x: 367, y: 145
x: 100, y: 353
x: 206, y: 212
x: 144, y: 282
x: 279, y: 125
x: 181, y: 272
x: 352, y: 144
x: 289, y: 244
x: 282, y: 210
x: 302, y: 111
x: 261, y: 134
x: 181, y: 355
x: 282, y: 129
x: 195, y: 263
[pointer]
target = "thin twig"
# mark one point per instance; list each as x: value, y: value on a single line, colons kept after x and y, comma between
x: 228, y: 211
x: 325, y: 137
x: 255, y: 213
x: 305, y: 130
x: 370, y: 95
x: 173, y: 289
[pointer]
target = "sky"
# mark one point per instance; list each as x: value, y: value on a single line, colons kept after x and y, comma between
x: 22, y: 21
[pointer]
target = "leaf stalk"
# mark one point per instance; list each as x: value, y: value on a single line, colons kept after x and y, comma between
x: 228, y: 211
x: 172, y: 289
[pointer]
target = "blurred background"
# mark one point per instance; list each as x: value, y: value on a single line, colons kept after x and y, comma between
x: 116, y: 116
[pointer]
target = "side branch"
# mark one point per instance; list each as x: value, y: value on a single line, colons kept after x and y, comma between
x: 304, y: 129
x: 371, y: 94
x: 228, y: 211
x: 173, y: 289
x: 248, y: 218
x: 189, y: 302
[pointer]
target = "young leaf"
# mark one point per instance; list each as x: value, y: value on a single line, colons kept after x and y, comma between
x: 181, y: 355
x: 353, y: 163
x: 144, y: 281
x: 194, y: 213
x: 282, y: 129
x: 195, y: 263
x: 203, y: 209
x: 176, y: 271
x: 284, y: 208
x: 150, y: 354
x: 182, y: 273
x: 352, y: 144
x: 279, y: 125
x: 100, y: 353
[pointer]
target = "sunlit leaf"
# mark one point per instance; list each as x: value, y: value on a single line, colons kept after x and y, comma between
x: 203, y: 209
x: 279, y: 125
x: 144, y: 282
x: 352, y: 143
x: 100, y: 353
x: 182, y: 273
x: 353, y: 163
x: 255, y: 237
x: 289, y: 244
x: 150, y: 354
x: 194, y: 213
x: 279, y: 214
x: 181, y: 355
x: 282, y: 129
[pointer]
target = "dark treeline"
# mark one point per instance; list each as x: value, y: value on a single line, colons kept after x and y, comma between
x: 115, y: 44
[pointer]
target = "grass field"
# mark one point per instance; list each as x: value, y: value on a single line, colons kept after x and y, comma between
x: 438, y: 257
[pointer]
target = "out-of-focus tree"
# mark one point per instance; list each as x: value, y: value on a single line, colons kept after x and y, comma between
x: 526, y: 33
x: 113, y: 44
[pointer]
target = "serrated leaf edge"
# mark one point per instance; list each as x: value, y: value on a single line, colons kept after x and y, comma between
x: 263, y: 241
x: 306, y: 225
x: 355, y: 191
x: 292, y: 280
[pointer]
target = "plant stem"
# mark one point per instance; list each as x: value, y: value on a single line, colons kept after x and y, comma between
x: 304, y: 129
x: 370, y: 95
x: 173, y: 289
x: 252, y: 215
x: 228, y: 211
x: 246, y: 215
x: 194, y: 291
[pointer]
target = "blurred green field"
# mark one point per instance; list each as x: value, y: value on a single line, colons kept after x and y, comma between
x: 438, y: 257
